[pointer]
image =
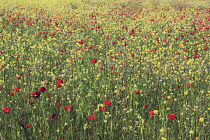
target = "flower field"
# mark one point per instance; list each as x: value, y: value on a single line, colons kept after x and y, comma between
x: 104, y: 70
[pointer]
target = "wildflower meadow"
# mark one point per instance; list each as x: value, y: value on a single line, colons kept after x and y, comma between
x: 104, y: 70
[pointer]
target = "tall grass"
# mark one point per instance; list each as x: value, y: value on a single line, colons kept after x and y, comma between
x: 104, y: 70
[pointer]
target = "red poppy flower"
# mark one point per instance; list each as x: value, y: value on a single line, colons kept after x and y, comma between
x: 90, y: 47
x: 126, y: 44
x: 68, y: 108
x: 98, y: 27
x: 52, y: 34
x: 185, y: 50
x: 146, y: 106
x: 31, y: 102
x: 152, y: 113
x: 114, y: 43
x: 112, y: 67
x: 196, y: 55
x: 177, y: 87
x: 71, y: 60
x: 205, y: 49
x: 103, y: 108
x: 132, y: 33
x: 16, y: 89
x: 58, y: 105
x: 60, y: 81
x: 94, y: 61
x: 107, y: 102
x: 11, y: 93
x: 18, y: 78
x: 58, y: 85
x: 137, y: 92
x: 42, y: 89
x: 6, y: 109
x: 36, y: 94
x: 101, y: 68
x: 28, y: 125
x: 80, y: 42
x: 53, y: 116
x: 188, y: 85
x: 92, y: 117
x: 171, y: 116
x: 45, y: 36
x: 49, y: 95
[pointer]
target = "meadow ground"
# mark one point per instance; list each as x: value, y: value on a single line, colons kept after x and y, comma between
x: 104, y: 70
